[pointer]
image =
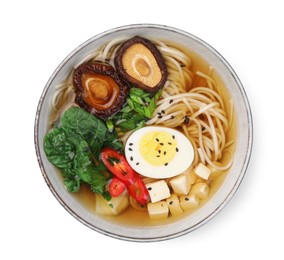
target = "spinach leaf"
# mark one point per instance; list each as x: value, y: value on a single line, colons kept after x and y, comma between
x: 111, y: 140
x: 86, y: 170
x: 90, y: 128
x: 59, y: 147
x: 72, y: 145
x: 72, y: 183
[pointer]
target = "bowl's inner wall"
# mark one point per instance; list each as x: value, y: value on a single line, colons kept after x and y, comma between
x: 231, y: 182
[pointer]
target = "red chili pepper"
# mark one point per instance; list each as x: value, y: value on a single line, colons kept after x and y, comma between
x: 116, y: 187
x: 139, y: 191
x: 119, y: 167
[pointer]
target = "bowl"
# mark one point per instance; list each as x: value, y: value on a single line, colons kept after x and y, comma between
x: 182, y: 226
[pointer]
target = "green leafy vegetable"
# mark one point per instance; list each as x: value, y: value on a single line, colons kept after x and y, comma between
x: 142, y: 102
x: 111, y: 140
x: 74, y: 146
x: 91, y: 129
x: 59, y: 147
x: 86, y: 170
x: 139, y: 108
x: 72, y: 183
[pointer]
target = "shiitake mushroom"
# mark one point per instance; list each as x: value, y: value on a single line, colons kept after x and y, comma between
x: 140, y: 62
x: 99, y: 90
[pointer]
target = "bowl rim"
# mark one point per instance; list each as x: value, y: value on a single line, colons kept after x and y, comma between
x: 244, y: 165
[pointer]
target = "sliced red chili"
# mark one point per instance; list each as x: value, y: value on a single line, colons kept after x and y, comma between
x: 138, y: 191
x: 119, y: 167
x: 116, y: 187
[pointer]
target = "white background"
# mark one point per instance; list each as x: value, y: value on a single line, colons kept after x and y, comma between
x: 35, y: 36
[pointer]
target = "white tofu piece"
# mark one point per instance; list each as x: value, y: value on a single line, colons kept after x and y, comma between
x: 174, y: 205
x: 189, y: 202
x: 192, y: 177
x: 200, y: 190
x: 158, y: 210
x: 158, y: 190
x: 190, y: 174
x: 202, y: 171
x: 113, y: 207
x: 180, y: 184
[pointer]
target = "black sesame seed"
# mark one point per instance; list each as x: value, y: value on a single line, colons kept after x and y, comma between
x: 131, y: 158
x: 159, y: 151
x: 171, y: 202
x: 163, y: 111
x: 165, y: 152
x: 172, y: 117
x: 149, y: 188
x: 186, y: 120
x: 169, y: 143
x: 161, y: 143
x: 157, y: 140
x: 160, y: 116
x: 187, y: 199
x: 130, y: 149
x: 159, y: 113
x: 137, y: 163
x: 130, y: 144
x: 173, y: 137
x: 171, y: 101
x: 166, y: 164
x: 158, y: 155
x: 177, y: 149
x: 203, y: 128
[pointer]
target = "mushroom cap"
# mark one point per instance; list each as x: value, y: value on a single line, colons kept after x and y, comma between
x: 140, y: 62
x: 99, y: 90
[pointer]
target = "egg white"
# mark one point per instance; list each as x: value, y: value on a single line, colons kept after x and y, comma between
x: 181, y: 161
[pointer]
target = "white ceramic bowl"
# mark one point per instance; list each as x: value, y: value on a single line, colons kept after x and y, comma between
x: 233, y: 178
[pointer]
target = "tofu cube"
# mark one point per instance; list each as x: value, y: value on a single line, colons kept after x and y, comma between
x: 202, y: 171
x: 113, y: 207
x: 200, y: 190
x: 158, y: 210
x: 174, y: 205
x: 192, y: 177
x: 189, y: 202
x: 158, y: 190
x: 190, y: 174
x: 180, y: 184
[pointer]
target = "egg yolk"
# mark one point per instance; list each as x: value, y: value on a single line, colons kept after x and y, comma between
x: 158, y: 148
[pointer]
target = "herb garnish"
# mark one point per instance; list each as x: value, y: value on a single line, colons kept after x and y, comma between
x: 137, y: 110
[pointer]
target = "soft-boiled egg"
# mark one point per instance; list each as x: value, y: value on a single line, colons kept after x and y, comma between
x: 158, y: 152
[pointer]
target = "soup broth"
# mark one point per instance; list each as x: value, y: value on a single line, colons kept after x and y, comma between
x: 131, y: 216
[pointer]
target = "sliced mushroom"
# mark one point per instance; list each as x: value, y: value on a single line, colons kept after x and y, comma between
x: 99, y: 90
x: 140, y: 62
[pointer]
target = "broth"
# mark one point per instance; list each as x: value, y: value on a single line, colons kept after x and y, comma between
x: 132, y: 217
